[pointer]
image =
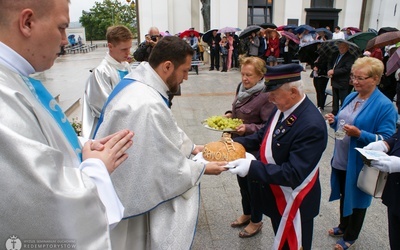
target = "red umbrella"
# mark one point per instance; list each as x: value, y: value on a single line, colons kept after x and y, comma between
x: 187, y: 33
x: 291, y: 36
x: 393, y: 62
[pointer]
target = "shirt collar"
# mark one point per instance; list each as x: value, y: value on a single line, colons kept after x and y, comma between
x: 289, y: 111
x: 15, y: 62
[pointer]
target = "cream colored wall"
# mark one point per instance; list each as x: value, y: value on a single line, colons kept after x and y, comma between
x: 179, y: 15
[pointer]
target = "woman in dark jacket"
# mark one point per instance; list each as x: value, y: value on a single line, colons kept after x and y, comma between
x: 320, y: 80
x: 252, y: 106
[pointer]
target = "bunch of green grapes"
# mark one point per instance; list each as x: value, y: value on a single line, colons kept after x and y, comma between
x: 222, y: 123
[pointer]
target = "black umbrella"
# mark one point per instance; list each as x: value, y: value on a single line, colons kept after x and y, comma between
x: 268, y: 25
x: 208, y: 35
x: 308, y: 52
x: 386, y: 29
x: 250, y: 29
x: 331, y: 46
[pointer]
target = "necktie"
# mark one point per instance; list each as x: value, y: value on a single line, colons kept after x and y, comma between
x: 279, y: 119
x: 338, y: 59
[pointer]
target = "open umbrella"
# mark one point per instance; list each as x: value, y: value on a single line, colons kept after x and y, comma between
x: 71, y: 36
x: 268, y: 25
x: 354, y: 29
x: 386, y: 29
x: 248, y: 30
x: 308, y: 51
x: 291, y: 36
x: 228, y: 30
x: 187, y: 33
x: 384, y: 39
x: 361, y: 38
x: 300, y: 29
x: 331, y: 46
x: 328, y: 33
x: 372, y: 30
x: 393, y: 63
x: 208, y: 35
x: 286, y: 27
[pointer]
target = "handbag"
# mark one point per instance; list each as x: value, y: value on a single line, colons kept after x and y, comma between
x: 372, y: 181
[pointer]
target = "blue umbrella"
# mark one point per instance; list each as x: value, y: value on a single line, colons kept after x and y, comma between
x: 303, y: 27
x: 327, y: 32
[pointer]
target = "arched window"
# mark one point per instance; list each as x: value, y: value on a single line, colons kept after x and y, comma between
x: 259, y: 11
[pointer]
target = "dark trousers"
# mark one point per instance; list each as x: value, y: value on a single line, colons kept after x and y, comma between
x: 320, y: 86
x: 235, y: 59
x: 214, y: 54
x: 246, y: 188
x: 351, y: 225
x: 394, y: 229
x: 338, y: 94
x: 307, y: 228
x: 224, y: 61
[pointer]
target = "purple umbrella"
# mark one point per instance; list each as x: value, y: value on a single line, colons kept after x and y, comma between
x: 393, y: 62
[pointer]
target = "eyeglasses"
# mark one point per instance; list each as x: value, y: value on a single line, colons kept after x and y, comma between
x: 358, y: 78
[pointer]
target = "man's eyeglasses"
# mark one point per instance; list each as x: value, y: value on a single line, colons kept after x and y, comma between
x: 358, y: 78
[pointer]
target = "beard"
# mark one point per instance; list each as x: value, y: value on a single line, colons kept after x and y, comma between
x: 172, y: 83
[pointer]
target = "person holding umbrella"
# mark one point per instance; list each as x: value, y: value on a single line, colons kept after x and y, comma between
x: 213, y: 42
x: 339, y: 72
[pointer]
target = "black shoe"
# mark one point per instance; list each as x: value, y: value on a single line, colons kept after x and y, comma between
x: 211, y: 69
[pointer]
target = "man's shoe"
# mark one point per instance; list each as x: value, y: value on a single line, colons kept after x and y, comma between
x: 211, y: 69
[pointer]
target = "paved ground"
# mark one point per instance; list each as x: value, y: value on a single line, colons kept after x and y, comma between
x: 211, y: 93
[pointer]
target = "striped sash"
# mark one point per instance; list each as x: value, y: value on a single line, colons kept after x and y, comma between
x: 288, y: 200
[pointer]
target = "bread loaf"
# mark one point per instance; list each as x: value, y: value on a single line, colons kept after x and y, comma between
x: 224, y: 150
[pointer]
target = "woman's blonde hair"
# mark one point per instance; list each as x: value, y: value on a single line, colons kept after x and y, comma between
x: 374, y: 66
x: 258, y: 63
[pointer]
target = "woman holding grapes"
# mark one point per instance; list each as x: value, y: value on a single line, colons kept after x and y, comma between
x: 252, y: 106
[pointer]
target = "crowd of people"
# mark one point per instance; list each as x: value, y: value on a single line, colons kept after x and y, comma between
x: 151, y: 200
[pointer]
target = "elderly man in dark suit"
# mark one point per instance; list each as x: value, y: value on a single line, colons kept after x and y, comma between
x: 290, y: 145
x: 390, y: 195
x: 339, y: 72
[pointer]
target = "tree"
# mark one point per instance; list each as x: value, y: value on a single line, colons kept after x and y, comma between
x: 105, y: 14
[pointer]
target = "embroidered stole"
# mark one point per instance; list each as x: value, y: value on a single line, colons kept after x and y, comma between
x: 51, y: 105
x: 288, y: 200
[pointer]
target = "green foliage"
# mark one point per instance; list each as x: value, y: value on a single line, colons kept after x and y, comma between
x: 105, y: 14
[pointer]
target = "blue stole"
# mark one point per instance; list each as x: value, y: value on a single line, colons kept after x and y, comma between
x: 120, y: 86
x: 122, y: 73
x: 51, y: 105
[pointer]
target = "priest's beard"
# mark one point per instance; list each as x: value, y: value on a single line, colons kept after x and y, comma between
x: 172, y: 83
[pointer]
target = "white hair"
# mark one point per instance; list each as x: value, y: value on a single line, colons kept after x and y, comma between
x: 296, y: 84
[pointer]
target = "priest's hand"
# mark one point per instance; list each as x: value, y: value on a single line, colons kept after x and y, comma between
x: 378, y: 146
x: 110, y: 150
x: 390, y: 164
x: 240, y: 167
x: 215, y: 168
x: 197, y: 149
